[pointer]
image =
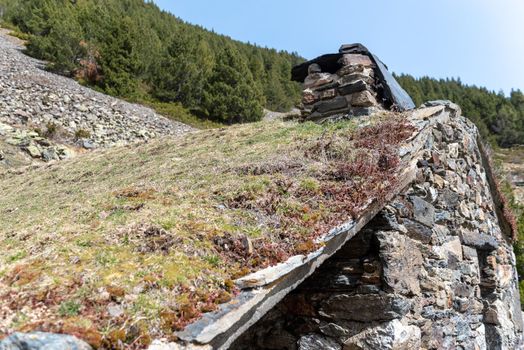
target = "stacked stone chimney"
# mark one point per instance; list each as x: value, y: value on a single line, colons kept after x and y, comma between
x: 351, y: 90
x: 352, y: 82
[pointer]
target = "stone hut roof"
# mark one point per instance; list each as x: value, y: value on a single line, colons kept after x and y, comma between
x: 262, y: 290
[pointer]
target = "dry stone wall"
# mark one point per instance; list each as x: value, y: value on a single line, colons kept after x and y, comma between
x: 432, y: 271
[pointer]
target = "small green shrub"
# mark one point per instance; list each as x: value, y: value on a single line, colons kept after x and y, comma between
x: 82, y: 134
x: 17, y: 256
x: 51, y: 130
x: 213, y: 260
x: 69, y: 308
x: 310, y: 184
x: 175, y: 111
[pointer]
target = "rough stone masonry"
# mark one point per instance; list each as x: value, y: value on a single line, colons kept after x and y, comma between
x: 434, y: 270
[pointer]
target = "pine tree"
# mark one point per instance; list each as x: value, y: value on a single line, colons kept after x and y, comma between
x: 231, y: 95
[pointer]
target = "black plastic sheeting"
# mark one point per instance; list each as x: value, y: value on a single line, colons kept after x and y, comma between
x: 389, y: 90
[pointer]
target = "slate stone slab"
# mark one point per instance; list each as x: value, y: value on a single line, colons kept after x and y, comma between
x: 423, y: 211
x: 42, y: 341
x: 351, y: 88
x: 418, y: 231
x: 402, y: 263
x: 331, y: 105
x: 366, y: 308
x: 316, y: 342
x: 394, y: 92
x: 479, y: 241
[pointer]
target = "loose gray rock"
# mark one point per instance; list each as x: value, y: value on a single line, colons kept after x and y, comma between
x: 390, y: 336
x: 365, y: 308
x: 42, y: 341
x: 317, y: 342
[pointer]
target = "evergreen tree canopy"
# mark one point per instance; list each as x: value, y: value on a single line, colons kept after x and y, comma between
x: 132, y: 49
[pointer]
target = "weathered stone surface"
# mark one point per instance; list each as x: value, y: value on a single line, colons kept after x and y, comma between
x: 470, y: 254
x: 42, y: 341
x: 327, y: 94
x: 317, y: 79
x: 330, y: 105
x: 355, y: 59
x: 162, y: 345
x: 348, y: 89
x: 352, y: 78
x: 309, y: 97
x: 393, y: 335
x: 314, y: 68
x: 418, y: 231
x: 505, y: 275
x: 363, y: 99
x: 317, y: 342
x: 402, y: 263
x: 346, y: 70
x: 423, y: 211
x: 365, y: 308
x: 334, y: 330
x: 452, y: 249
x: 479, y: 241
x: 34, y: 151
x: 449, y: 198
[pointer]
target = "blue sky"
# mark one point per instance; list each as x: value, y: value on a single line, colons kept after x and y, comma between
x: 480, y: 41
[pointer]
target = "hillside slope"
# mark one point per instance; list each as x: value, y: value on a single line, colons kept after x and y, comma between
x: 46, y: 117
x: 155, y: 233
x: 133, y: 49
x: 35, y: 99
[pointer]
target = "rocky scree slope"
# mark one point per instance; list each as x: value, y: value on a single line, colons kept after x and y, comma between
x: 36, y: 106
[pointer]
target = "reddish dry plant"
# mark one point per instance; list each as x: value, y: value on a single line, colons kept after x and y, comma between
x: 196, y: 302
x: 89, y: 69
x: 505, y: 209
x: 390, y: 132
x: 348, y: 182
x: 359, y: 169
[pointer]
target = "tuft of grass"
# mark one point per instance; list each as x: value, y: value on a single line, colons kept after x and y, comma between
x: 84, y: 243
x: 82, y: 134
x: 69, y: 308
x: 105, y: 258
x: 310, y: 184
x: 213, y: 260
x: 51, y: 130
x: 17, y: 256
